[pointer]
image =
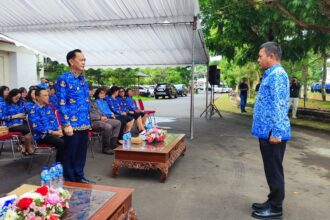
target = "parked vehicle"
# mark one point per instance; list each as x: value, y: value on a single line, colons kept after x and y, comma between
x: 219, y: 89
x: 317, y: 87
x: 181, y: 89
x: 165, y: 89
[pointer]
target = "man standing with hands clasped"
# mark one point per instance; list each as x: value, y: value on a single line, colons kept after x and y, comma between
x: 74, y: 103
x: 272, y: 126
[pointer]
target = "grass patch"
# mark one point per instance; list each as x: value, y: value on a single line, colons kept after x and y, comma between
x: 143, y: 98
x: 227, y: 104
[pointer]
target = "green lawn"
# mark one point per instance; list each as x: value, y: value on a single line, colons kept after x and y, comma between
x: 227, y: 104
x: 143, y: 98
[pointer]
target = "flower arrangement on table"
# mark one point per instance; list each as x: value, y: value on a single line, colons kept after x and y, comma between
x: 41, y: 204
x: 155, y: 134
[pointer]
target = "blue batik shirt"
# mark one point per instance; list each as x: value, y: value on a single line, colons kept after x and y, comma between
x: 272, y: 105
x: 43, y: 85
x: 28, y: 106
x: 104, y: 108
x: 123, y: 104
x: 114, y: 105
x: 53, y: 101
x: 73, y: 101
x: 13, y: 109
x: 42, y: 120
x: 131, y: 105
x: 2, y: 110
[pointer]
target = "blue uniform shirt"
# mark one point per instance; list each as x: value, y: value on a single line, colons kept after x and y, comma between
x: 272, y: 105
x: 43, y: 85
x: 73, y: 101
x: 42, y: 120
x: 11, y: 110
x: 123, y: 104
x: 104, y: 107
x: 131, y: 105
x: 28, y: 106
x: 2, y: 110
x: 53, y: 101
x: 114, y: 105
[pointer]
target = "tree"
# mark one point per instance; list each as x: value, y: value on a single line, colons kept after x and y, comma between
x: 236, y: 29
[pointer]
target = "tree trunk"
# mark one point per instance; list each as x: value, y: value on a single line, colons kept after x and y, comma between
x: 304, y: 74
x: 324, y: 95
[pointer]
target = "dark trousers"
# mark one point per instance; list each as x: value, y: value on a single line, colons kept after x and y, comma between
x: 272, y: 156
x: 75, y: 155
x: 243, y: 101
x: 57, y: 142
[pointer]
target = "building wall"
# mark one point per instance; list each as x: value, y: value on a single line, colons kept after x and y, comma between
x: 18, y: 66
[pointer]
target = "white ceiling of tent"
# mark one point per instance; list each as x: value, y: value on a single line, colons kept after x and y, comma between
x: 113, y: 33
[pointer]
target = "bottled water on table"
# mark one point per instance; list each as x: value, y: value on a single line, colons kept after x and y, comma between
x: 60, y: 175
x: 54, y: 176
x: 127, y: 140
x: 45, y: 177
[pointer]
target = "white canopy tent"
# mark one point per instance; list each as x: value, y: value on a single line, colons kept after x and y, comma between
x: 111, y: 33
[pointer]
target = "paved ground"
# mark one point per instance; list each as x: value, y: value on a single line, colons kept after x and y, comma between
x: 220, y: 176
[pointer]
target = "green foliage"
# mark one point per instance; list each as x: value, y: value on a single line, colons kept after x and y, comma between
x: 245, y: 24
x: 124, y: 77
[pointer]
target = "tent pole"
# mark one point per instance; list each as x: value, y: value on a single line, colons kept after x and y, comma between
x: 207, y: 89
x: 192, y: 80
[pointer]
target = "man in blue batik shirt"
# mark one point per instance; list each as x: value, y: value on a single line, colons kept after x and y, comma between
x: 74, y: 105
x: 272, y: 126
x: 45, y: 127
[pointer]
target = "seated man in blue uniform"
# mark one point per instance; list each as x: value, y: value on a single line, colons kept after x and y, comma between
x: 45, y: 128
x: 74, y: 105
x: 43, y: 83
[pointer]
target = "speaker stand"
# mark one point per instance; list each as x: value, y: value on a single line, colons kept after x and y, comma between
x: 211, y: 109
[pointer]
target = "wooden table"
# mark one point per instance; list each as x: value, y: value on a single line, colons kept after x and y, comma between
x: 144, y: 156
x: 118, y: 207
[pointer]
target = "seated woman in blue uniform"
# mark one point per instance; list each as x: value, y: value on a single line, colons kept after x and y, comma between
x: 4, y: 91
x: 45, y: 127
x: 30, y: 99
x: 132, y: 107
x: 114, y: 104
x: 127, y: 105
x: 14, y: 119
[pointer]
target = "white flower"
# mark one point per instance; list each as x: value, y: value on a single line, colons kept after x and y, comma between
x: 11, y: 215
x: 32, y: 195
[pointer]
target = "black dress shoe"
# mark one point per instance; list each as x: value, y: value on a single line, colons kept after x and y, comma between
x: 260, y: 206
x: 86, y: 181
x: 267, y: 214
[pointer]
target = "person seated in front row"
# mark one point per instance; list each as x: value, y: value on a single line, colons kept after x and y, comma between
x: 30, y: 99
x: 114, y: 104
x: 132, y: 107
x: 14, y: 115
x: 104, y: 120
x: 53, y: 98
x: 45, y: 127
x: 127, y: 105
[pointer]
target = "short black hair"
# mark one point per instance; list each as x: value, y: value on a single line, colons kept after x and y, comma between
x: 29, y: 95
x: 38, y: 91
x: 112, y: 90
x: 97, y: 93
x: 12, y: 93
x: 2, y: 89
x: 23, y: 89
x: 127, y: 90
x: 72, y: 55
x: 272, y: 48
